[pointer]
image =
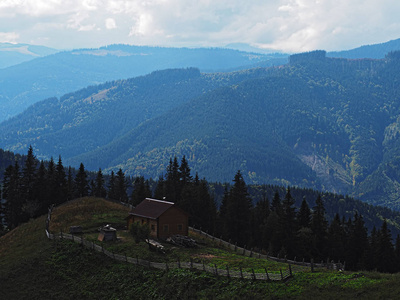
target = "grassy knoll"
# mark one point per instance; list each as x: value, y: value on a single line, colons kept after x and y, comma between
x: 32, y: 267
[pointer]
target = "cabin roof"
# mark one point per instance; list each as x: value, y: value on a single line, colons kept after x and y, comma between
x: 151, y: 208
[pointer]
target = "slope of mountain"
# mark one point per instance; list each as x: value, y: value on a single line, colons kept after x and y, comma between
x: 55, y: 75
x: 318, y: 122
x: 377, y: 51
x: 13, y: 54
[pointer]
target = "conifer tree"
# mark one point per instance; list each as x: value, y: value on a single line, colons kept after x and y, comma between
x: 12, y: 195
x: 387, y: 260
x: 60, y: 183
x: 288, y: 223
x: 357, y: 244
x: 319, y: 226
x: 159, y: 192
x: 238, y: 211
x: 99, y: 185
x: 336, y: 239
x: 81, y: 182
x: 141, y: 190
x: 111, y: 187
x: 29, y: 205
x: 304, y: 214
x: 120, y: 186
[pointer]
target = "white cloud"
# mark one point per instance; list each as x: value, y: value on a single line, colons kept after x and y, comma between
x: 110, y: 23
x: 9, y: 37
x: 290, y: 25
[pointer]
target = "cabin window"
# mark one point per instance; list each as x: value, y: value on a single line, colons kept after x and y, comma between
x: 166, y: 229
x: 153, y: 228
x: 180, y: 227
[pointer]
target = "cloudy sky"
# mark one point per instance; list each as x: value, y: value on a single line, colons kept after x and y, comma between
x: 287, y: 25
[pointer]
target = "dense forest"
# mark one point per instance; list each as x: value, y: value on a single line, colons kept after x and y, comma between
x: 333, y: 227
x: 323, y: 123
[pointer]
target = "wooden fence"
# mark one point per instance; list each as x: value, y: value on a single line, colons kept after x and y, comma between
x: 250, y: 253
x: 230, y: 273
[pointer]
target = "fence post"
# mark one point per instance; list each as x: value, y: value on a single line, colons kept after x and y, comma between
x: 290, y: 270
x: 244, y: 250
x: 254, y: 275
x: 61, y: 234
x: 266, y: 272
x: 191, y: 263
x: 241, y: 272
x: 227, y: 271
x: 312, y: 265
x: 137, y: 259
x: 235, y: 246
x: 216, y: 269
x: 179, y: 263
x: 281, y: 274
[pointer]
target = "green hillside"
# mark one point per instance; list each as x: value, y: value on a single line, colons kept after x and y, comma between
x: 55, y: 75
x: 33, y: 267
x: 325, y: 123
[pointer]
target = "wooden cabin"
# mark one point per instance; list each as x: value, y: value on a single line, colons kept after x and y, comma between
x: 164, y: 218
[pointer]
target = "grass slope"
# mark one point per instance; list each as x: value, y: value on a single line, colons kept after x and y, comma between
x: 32, y: 267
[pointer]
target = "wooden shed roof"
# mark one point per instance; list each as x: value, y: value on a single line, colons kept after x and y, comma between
x: 151, y: 208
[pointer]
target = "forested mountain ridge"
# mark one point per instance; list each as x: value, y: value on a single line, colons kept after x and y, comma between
x: 326, y: 123
x: 55, y: 75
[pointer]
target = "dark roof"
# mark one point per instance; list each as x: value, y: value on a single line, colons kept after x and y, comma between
x: 151, y: 208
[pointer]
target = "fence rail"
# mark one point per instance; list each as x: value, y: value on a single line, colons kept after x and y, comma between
x: 250, y: 253
x: 227, y: 272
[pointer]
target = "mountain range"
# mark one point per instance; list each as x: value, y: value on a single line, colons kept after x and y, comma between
x: 55, y: 75
x: 325, y: 123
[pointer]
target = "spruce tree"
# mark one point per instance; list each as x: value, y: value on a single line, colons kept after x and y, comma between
x: 61, y: 183
x: 120, y: 186
x: 111, y: 187
x: 238, y: 211
x: 81, y: 182
x: 319, y: 226
x: 99, y: 185
x: 29, y: 204
x: 387, y: 261
x: 141, y: 190
x: 288, y: 224
x: 304, y: 214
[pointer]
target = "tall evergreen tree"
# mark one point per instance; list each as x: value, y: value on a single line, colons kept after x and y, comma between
x: 159, y: 192
x: 141, y: 190
x: 357, y: 245
x: 61, y: 183
x: 304, y: 214
x: 81, y: 182
x: 112, y: 194
x: 289, y: 224
x: 12, y: 195
x: 120, y: 186
x: 387, y: 261
x: 29, y: 205
x: 99, y: 186
x: 238, y: 211
x: 319, y: 226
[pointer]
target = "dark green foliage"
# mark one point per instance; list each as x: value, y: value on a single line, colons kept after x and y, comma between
x: 141, y: 190
x: 140, y: 232
x: 81, y: 182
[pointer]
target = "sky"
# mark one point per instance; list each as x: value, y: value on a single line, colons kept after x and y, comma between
x: 280, y: 25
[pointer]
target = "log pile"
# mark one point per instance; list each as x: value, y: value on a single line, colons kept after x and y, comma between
x: 182, y: 241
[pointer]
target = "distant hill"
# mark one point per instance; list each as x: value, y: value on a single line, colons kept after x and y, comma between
x: 60, y: 73
x: 377, y: 51
x: 325, y: 123
x: 13, y: 54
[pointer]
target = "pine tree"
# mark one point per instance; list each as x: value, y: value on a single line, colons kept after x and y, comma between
x: 29, y: 205
x: 99, y: 189
x: 12, y: 195
x: 304, y: 214
x: 159, y: 192
x: 357, y: 244
x: 71, y: 191
x: 289, y: 223
x: 319, y: 226
x: 172, y: 181
x: 336, y: 239
x: 111, y: 187
x: 141, y: 190
x: 238, y: 211
x: 387, y: 261
x: 81, y: 182
x: 120, y: 187
x: 61, y: 183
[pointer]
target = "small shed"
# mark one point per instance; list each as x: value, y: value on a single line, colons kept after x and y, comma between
x: 107, y: 233
x: 163, y: 217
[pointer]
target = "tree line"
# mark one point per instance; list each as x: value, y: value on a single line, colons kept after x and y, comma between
x: 275, y: 226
